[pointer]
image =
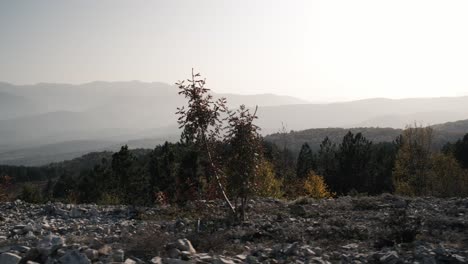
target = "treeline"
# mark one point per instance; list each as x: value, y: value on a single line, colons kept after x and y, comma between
x: 176, y: 172
x: 221, y: 155
x: 443, y: 133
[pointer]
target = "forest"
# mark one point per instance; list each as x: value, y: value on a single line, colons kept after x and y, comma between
x: 214, y: 160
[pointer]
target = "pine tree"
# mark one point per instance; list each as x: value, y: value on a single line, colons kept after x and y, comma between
x: 354, y: 158
x: 327, y: 164
x: 305, y: 162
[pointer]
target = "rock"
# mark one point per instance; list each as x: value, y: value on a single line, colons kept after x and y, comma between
x: 185, y: 255
x: 156, y: 260
x: 390, y: 257
x: 350, y: 246
x: 318, y: 260
x: 75, y: 213
x: 297, y: 209
x: 130, y: 261
x: 221, y: 260
x: 32, y: 254
x: 118, y: 255
x: 21, y: 249
x: 9, y: 258
x: 173, y: 252
x: 185, y: 245
x: 74, y: 257
x: 91, y: 254
x: 50, y: 244
x: 458, y: 259
x: 175, y: 261
x: 105, y: 250
x: 291, y: 249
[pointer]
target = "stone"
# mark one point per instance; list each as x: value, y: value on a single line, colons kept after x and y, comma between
x: 9, y: 258
x: 173, y: 252
x: 75, y: 213
x: 91, y: 254
x: 50, y: 244
x: 118, y: 255
x: 390, y: 257
x: 175, y: 261
x: 105, y: 250
x: 221, y: 260
x: 74, y: 257
x: 21, y: 249
x: 156, y: 260
x: 130, y: 261
x: 318, y: 260
x: 291, y: 249
x: 185, y: 245
x: 241, y: 257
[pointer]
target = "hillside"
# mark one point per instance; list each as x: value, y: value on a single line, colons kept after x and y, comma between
x: 443, y: 133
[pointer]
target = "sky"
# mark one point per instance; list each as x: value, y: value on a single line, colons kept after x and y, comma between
x: 315, y: 50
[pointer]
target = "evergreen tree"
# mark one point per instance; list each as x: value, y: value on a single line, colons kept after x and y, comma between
x: 461, y: 151
x: 161, y: 171
x: 353, y: 157
x: 122, y: 163
x: 381, y: 165
x: 327, y: 164
x: 306, y: 162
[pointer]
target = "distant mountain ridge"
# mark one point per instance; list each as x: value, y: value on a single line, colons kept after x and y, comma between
x: 140, y: 114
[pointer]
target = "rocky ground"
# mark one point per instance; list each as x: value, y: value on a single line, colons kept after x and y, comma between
x: 383, y: 229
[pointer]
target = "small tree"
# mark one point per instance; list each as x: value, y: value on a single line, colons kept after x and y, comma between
x: 202, y: 123
x: 266, y: 183
x: 447, y: 178
x: 245, y: 155
x: 315, y: 186
x: 413, y: 161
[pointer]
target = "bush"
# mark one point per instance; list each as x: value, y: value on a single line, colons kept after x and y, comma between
x: 266, y: 183
x: 109, y: 199
x: 315, y: 186
x: 31, y: 194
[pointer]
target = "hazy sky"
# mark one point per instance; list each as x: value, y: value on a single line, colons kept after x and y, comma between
x: 316, y: 50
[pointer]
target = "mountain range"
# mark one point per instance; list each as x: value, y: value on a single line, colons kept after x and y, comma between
x: 49, y: 122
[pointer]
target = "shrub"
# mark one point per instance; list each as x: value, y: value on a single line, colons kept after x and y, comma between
x: 109, y: 199
x: 266, y: 183
x: 31, y: 194
x: 315, y: 186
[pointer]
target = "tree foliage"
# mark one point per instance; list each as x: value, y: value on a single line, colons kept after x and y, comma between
x: 306, y: 161
x: 266, y: 183
x: 245, y: 153
x: 315, y: 186
x: 413, y: 161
